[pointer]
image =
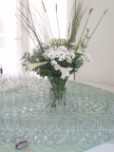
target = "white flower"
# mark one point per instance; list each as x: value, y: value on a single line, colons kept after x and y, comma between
x: 61, y: 53
x: 65, y: 72
x: 61, y: 58
x: 68, y: 59
x: 56, y: 67
x: 49, y: 54
x: 53, y: 62
x: 87, y: 57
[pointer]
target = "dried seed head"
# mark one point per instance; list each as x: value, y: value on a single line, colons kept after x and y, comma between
x: 56, y: 7
x: 90, y: 11
x: 44, y: 7
x: 105, y: 11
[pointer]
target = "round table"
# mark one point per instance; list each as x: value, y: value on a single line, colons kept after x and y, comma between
x: 85, y: 121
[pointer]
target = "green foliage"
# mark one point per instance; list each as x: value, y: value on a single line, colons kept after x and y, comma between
x: 49, y: 71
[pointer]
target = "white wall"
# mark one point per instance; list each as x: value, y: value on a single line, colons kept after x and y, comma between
x: 101, y: 46
x: 8, y: 54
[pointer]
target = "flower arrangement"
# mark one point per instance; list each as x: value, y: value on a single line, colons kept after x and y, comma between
x: 58, y: 58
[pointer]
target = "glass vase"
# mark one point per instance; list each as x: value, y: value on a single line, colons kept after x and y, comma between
x: 58, y: 89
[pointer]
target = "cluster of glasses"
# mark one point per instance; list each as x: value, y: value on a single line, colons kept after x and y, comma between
x: 26, y: 113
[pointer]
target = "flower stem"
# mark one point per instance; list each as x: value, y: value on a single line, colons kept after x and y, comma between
x: 57, y: 23
x: 97, y: 25
x: 85, y: 26
x: 48, y: 22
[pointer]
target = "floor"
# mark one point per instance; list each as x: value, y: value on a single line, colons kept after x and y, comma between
x: 108, y: 147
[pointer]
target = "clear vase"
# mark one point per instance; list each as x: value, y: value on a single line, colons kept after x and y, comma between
x: 57, y: 88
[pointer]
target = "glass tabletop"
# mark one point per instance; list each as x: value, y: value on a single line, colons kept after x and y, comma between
x: 87, y: 118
